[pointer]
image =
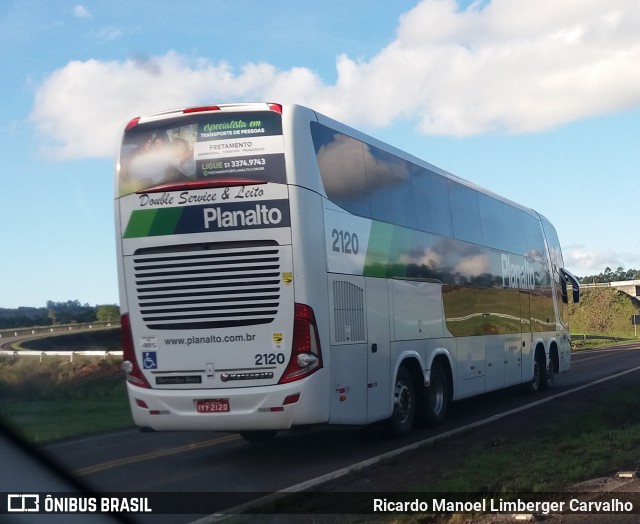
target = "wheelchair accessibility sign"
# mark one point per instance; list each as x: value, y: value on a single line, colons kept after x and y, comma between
x: 149, y: 360
x: 149, y: 346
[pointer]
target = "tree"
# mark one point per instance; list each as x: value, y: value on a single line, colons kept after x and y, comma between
x: 70, y: 312
x: 610, y: 276
x: 107, y: 313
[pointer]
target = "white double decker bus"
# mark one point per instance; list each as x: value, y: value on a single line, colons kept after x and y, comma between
x: 279, y: 269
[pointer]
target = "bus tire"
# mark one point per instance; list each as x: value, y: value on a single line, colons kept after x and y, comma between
x: 546, y: 379
x: 263, y: 435
x: 434, y: 402
x: 535, y: 384
x: 404, y: 404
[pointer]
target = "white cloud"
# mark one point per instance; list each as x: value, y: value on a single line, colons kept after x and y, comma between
x: 584, y: 261
x: 80, y: 11
x: 505, y: 66
x: 82, y: 106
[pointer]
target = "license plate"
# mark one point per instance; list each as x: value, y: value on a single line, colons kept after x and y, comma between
x: 213, y: 405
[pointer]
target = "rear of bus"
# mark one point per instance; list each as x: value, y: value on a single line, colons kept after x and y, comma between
x: 213, y: 337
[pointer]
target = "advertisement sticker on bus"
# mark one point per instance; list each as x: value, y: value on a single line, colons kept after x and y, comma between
x: 240, y: 145
x: 237, y: 145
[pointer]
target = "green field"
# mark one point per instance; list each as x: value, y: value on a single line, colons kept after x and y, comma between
x: 55, y: 398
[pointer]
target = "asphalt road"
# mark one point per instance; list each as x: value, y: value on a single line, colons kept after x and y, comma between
x: 236, y: 471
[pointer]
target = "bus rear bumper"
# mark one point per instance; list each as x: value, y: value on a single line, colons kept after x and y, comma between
x: 277, y: 407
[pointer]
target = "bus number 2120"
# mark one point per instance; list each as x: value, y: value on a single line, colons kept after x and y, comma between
x: 345, y: 242
x: 269, y: 359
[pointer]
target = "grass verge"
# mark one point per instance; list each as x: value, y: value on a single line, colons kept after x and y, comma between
x: 599, y: 435
x: 590, y: 443
x: 54, y: 398
x: 42, y: 421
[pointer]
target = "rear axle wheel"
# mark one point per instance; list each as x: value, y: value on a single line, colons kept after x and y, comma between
x: 404, y: 404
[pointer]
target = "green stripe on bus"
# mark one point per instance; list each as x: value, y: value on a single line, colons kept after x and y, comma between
x: 166, y: 221
x: 153, y: 222
x: 380, y: 241
x: 140, y: 223
x: 400, y: 251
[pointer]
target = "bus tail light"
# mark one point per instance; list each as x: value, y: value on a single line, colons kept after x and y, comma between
x: 129, y: 362
x: 306, y: 357
x: 186, y: 185
x: 132, y: 123
x: 200, y: 109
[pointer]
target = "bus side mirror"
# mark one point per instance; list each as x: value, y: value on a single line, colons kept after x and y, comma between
x: 563, y: 286
x: 575, y: 285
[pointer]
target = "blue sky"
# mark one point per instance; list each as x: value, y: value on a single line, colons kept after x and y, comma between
x: 538, y: 101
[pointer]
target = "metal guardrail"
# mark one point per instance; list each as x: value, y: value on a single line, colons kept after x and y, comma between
x: 582, y: 341
x: 599, y: 337
x: 48, y: 330
x: 69, y: 354
x: 11, y: 336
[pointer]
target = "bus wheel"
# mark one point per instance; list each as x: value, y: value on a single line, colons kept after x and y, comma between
x: 404, y: 404
x: 535, y: 384
x: 259, y: 435
x: 435, y: 398
x: 547, y: 375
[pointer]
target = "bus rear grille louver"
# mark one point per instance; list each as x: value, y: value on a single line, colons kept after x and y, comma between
x: 207, y: 288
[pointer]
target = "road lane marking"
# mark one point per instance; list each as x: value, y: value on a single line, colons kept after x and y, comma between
x: 153, y: 455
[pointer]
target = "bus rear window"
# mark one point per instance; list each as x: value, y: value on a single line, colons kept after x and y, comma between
x: 202, y: 147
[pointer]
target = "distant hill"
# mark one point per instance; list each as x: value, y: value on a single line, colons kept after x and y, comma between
x: 604, y: 311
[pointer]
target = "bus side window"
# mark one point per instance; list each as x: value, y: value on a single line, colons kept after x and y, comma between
x: 492, y: 221
x: 431, y: 202
x: 341, y: 163
x: 465, y: 213
x: 389, y: 180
